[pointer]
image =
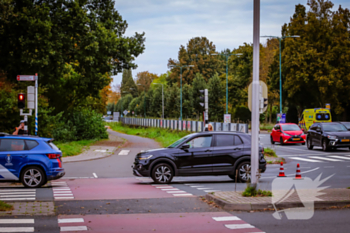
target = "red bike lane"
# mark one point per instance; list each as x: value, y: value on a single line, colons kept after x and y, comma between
x: 204, y: 222
x: 117, y: 188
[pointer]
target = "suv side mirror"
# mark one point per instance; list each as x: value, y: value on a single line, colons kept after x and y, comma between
x: 185, y: 147
x: 318, y: 129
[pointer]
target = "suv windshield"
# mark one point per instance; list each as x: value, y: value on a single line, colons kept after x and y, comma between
x: 178, y: 142
x: 290, y: 128
x: 333, y: 127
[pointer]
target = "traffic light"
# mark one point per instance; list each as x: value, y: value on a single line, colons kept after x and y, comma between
x: 204, y: 103
x: 21, y: 100
x: 265, y: 102
x: 202, y: 98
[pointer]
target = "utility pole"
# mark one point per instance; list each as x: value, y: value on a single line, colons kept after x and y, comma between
x: 205, y: 105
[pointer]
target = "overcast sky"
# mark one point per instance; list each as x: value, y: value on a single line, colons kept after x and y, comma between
x: 227, y: 23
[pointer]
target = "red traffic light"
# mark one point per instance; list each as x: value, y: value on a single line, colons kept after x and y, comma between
x: 21, y: 100
x: 20, y: 97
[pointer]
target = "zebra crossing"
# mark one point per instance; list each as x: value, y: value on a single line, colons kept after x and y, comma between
x: 322, y: 159
x: 16, y: 225
x: 17, y: 194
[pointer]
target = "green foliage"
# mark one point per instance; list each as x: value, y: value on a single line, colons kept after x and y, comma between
x: 242, y: 114
x: 172, y: 96
x: 128, y: 84
x: 252, y: 192
x: 74, y: 147
x: 165, y: 137
x: 292, y: 115
x: 5, y: 207
x: 216, y: 99
x: 156, y: 101
x: 269, y: 152
x: 198, y: 84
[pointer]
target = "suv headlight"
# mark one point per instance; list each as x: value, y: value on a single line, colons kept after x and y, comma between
x: 144, y: 157
x: 331, y: 137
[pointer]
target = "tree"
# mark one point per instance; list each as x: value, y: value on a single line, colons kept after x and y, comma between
x: 172, y: 102
x: 187, y: 101
x: 156, y: 101
x: 216, y: 103
x: 144, y: 80
x: 126, y: 101
x: 197, y: 53
x: 198, y: 84
x: 128, y: 84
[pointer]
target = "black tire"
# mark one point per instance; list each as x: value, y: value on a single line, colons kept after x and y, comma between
x: 303, y: 144
x: 272, y: 142
x: 33, y: 177
x: 233, y: 177
x: 281, y: 141
x: 325, y: 147
x: 162, y: 173
x: 309, y: 144
x: 244, y: 172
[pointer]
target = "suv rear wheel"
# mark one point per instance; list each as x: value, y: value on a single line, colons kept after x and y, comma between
x: 309, y: 144
x: 33, y: 177
x: 162, y: 173
x: 244, y: 172
x: 325, y: 147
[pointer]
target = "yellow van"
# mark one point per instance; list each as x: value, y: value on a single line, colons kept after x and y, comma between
x: 314, y: 115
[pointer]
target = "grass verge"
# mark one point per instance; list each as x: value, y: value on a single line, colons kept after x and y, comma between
x: 5, y: 207
x: 269, y: 152
x: 164, y: 136
x: 252, y: 192
x: 75, y: 147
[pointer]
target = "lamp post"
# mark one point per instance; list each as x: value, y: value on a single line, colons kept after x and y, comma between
x: 280, y: 38
x: 227, y: 56
x: 144, y: 101
x: 181, y: 66
x: 162, y: 99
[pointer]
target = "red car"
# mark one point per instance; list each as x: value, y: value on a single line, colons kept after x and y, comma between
x: 287, y: 133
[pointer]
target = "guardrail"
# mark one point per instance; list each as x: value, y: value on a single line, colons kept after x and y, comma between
x: 192, y: 126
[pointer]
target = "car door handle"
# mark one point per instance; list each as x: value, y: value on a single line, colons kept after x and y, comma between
x: 237, y: 149
x: 207, y: 151
x: 23, y: 156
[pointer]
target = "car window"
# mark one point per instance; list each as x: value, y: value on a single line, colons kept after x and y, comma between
x: 12, y: 145
x: 334, y: 128
x: 178, y: 142
x: 200, y: 142
x: 31, y: 144
x: 238, y: 141
x: 224, y: 140
x: 347, y: 124
x: 290, y: 128
x: 313, y: 127
x: 53, y: 146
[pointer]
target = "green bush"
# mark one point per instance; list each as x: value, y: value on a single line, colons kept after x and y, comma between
x: 252, y: 192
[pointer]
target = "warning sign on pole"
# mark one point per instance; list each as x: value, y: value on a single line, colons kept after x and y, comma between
x: 25, y: 77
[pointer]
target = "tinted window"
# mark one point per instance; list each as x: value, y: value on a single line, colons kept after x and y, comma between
x: 224, y: 140
x: 31, y: 144
x: 12, y: 145
x: 290, y: 128
x: 238, y: 141
x: 200, y: 142
x: 334, y: 128
x: 322, y: 116
x: 178, y: 142
x: 347, y: 124
x: 313, y: 127
x: 53, y: 146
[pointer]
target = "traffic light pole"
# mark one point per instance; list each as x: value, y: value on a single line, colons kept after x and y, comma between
x: 36, y: 104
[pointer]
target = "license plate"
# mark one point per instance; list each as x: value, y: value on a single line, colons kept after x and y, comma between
x: 345, y: 140
x: 296, y: 139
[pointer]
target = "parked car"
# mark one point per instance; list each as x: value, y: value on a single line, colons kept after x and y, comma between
x: 200, y: 154
x: 29, y: 159
x: 328, y: 136
x: 287, y: 133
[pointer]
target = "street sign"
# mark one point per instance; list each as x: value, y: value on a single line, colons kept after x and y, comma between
x: 25, y: 77
x: 262, y: 97
x: 328, y: 106
x: 125, y: 112
x: 227, y: 118
x: 109, y: 112
x: 281, y: 118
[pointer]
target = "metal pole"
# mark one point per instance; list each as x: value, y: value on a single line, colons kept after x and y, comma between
x: 255, y: 96
x: 36, y: 104
x: 280, y: 39
x: 181, y: 93
x: 162, y: 103
x: 226, y: 84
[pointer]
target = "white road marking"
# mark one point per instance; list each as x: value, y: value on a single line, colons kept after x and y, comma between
x: 70, y: 220
x: 190, y: 184
x: 228, y: 218
x: 17, y: 199
x: 209, y: 191
x: 64, y: 198
x: 196, y: 186
x: 327, y: 159
x: 79, y: 177
x: 176, y: 191
x: 16, y: 221
x: 238, y: 226
x: 17, y: 190
x: 17, y: 229
x: 124, y: 152
x: 74, y: 228
x: 307, y: 160
x: 94, y: 175
x: 17, y: 195
x: 340, y: 157
x: 289, y: 148
x: 100, y: 150
x: 203, y: 188
x: 165, y: 187
x: 328, y: 166
x: 63, y: 194
x: 182, y: 194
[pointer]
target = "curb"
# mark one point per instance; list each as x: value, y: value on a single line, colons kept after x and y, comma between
x: 266, y: 206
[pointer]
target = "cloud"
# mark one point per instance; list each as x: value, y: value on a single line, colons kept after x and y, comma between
x: 227, y: 23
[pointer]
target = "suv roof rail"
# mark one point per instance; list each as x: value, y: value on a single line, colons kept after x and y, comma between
x: 3, y: 134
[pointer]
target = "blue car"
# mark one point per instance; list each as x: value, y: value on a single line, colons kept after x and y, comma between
x: 29, y: 159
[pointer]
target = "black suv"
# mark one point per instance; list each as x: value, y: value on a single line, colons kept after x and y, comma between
x: 200, y: 154
x: 328, y: 135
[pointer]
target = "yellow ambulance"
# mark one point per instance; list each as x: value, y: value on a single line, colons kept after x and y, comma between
x: 313, y: 115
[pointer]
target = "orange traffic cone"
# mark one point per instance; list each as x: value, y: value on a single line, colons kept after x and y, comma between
x: 281, y: 174
x: 298, y: 175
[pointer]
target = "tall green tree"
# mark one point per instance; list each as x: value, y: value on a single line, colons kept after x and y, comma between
x: 216, y: 99
x: 198, y: 84
x: 128, y: 84
x: 172, y: 102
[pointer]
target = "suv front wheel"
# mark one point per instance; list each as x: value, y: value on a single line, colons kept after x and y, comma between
x: 162, y: 173
x: 309, y: 144
x: 33, y: 177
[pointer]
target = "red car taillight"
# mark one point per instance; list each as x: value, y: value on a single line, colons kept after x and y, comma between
x: 59, y: 163
x: 53, y: 156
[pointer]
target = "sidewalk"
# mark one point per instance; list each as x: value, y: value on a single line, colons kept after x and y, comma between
x: 101, y: 149
x: 231, y: 200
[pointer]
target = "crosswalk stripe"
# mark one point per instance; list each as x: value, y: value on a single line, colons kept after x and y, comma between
x: 238, y: 226
x: 70, y: 220
x: 323, y: 158
x: 17, y: 195
x: 170, y: 189
x: 209, y: 191
x: 17, y: 229
x: 74, y: 228
x: 182, y: 194
x: 63, y: 198
x: 339, y: 157
x: 307, y: 160
x: 17, y: 190
x: 176, y: 191
x: 17, y: 199
x: 226, y: 218
x: 16, y: 221
x: 203, y: 188
x: 124, y: 152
